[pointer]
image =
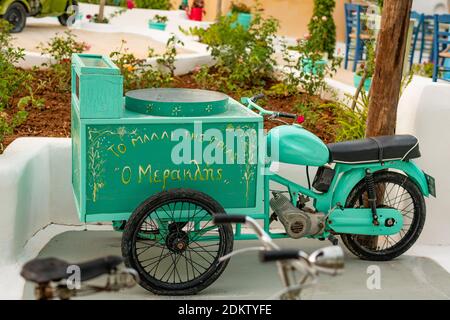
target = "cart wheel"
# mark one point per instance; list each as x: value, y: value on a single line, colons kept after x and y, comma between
x: 64, y: 18
x: 17, y: 16
x: 172, y: 243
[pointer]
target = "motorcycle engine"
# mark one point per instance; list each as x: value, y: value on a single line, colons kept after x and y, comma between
x: 297, y: 223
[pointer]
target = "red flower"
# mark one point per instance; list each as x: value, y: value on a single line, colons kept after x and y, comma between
x: 300, y: 119
x: 88, y: 16
x: 130, y: 4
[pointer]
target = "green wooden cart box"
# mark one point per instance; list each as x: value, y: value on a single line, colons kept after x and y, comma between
x: 123, y: 147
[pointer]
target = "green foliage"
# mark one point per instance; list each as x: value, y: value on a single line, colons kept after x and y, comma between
x: 352, y: 122
x: 144, y: 4
x: 423, y: 69
x: 308, y: 69
x: 137, y: 73
x: 160, y: 19
x: 154, y: 4
x: 244, y: 58
x: 11, y: 78
x: 239, y: 7
x: 95, y: 18
x: 322, y: 28
x: 60, y: 48
x: 8, y: 124
x: 369, y: 65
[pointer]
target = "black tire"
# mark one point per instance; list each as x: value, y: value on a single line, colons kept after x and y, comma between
x: 65, y: 16
x: 359, y: 245
x: 141, y: 223
x: 16, y: 14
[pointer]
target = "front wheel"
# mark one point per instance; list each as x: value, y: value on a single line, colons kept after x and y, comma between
x: 396, y: 191
x: 17, y: 16
x: 171, y: 242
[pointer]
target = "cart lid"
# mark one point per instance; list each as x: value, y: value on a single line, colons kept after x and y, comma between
x: 176, y: 102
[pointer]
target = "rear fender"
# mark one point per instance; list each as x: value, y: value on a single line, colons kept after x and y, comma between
x: 351, y: 175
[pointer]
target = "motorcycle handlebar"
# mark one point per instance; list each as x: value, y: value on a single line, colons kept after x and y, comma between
x: 257, y: 97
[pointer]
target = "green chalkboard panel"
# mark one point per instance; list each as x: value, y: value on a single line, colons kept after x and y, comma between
x: 127, y: 163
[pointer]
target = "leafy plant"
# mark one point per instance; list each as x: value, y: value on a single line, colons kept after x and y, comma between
x: 144, y: 4
x: 322, y: 28
x: 12, y: 78
x: 60, y: 48
x: 368, y: 66
x: 137, y: 73
x: 160, y: 19
x: 13, y: 81
x: 198, y: 4
x: 239, y: 7
x: 244, y: 58
x: 351, y: 122
x: 423, y: 69
x: 96, y: 19
x: 307, y: 69
x: 8, y: 124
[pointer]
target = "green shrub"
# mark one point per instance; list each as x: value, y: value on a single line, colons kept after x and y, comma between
x: 60, y: 48
x: 322, y: 28
x: 144, y: 4
x: 154, y: 4
x: 11, y: 78
x: 137, y: 74
x: 244, y: 58
x: 352, y: 122
x: 308, y: 70
x: 239, y: 7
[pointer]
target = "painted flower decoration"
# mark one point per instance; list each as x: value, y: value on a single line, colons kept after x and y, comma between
x: 89, y: 16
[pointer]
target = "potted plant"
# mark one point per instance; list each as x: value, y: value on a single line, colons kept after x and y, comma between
x: 158, y: 22
x: 243, y: 12
x: 197, y: 10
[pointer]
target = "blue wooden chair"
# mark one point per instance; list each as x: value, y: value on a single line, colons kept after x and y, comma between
x: 427, y: 33
x: 441, y: 48
x: 353, y: 31
x: 418, y: 27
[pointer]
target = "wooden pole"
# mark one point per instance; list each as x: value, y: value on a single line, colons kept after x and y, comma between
x: 101, y: 10
x: 219, y: 9
x: 390, y: 53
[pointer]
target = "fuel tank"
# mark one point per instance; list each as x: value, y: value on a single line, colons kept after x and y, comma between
x: 296, y: 146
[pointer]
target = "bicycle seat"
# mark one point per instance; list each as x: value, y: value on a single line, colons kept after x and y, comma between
x: 52, y: 269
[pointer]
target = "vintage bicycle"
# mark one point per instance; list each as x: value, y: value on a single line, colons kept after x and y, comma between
x: 51, y: 277
x: 297, y: 270
x: 160, y: 163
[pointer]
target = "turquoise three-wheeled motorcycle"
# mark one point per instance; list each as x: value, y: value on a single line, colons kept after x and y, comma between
x: 369, y: 192
x: 157, y: 166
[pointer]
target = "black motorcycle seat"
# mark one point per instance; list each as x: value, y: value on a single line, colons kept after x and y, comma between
x: 376, y: 149
x: 45, y: 270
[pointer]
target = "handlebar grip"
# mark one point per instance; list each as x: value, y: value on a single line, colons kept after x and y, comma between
x: 276, y: 255
x: 287, y: 115
x: 227, y: 218
x: 257, y: 97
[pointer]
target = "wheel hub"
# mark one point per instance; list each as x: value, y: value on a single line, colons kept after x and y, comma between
x: 177, y: 241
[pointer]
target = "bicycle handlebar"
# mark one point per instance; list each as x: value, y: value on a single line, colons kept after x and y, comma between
x: 277, y: 255
x: 227, y: 218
